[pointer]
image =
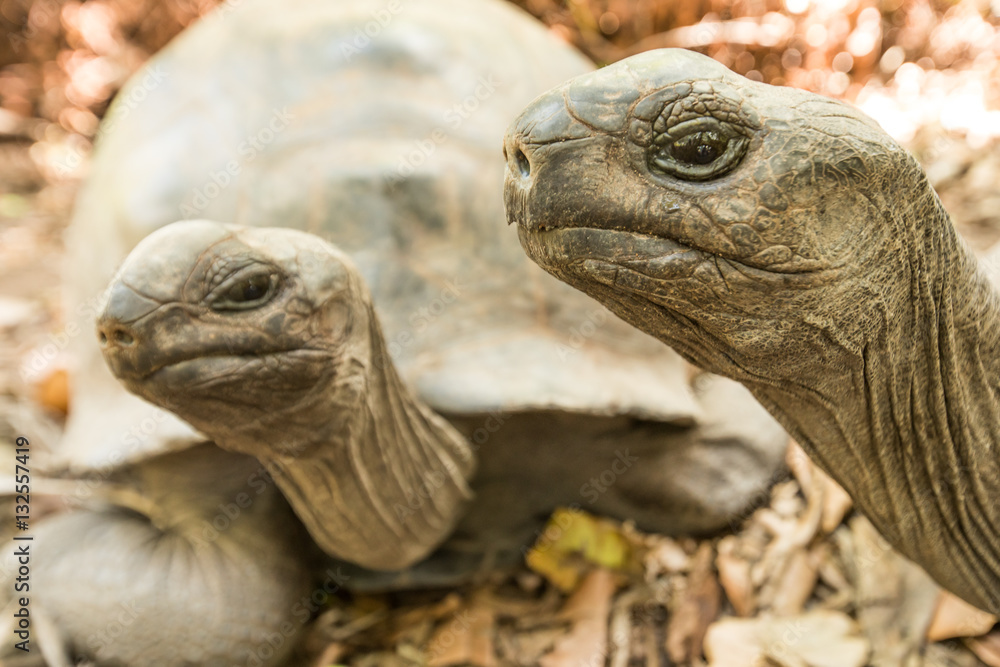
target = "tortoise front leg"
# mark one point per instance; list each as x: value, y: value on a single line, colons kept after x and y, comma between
x: 217, y: 586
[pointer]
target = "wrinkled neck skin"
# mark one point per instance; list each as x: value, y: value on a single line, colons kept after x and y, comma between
x: 380, y: 483
x: 903, y: 409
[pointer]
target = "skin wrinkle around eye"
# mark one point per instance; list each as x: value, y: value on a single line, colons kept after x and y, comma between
x: 575, y: 116
x: 207, y: 252
x: 142, y: 294
x: 218, y: 299
x: 552, y: 142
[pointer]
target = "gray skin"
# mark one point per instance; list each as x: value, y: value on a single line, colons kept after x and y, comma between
x: 782, y: 239
x: 266, y: 341
x: 380, y: 393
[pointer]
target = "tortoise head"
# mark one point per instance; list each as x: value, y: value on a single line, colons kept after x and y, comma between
x: 235, y: 328
x: 732, y: 219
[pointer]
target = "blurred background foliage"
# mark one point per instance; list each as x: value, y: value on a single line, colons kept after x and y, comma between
x: 63, y: 60
x: 911, y: 64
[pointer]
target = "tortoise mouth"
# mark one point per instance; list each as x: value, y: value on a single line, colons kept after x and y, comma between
x: 595, y: 253
x: 205, y: 371
x: 563, y: 248
x: 138, y: 368
x: 198, y: 387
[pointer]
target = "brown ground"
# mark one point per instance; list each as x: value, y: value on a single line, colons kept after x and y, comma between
x: 802, y: 580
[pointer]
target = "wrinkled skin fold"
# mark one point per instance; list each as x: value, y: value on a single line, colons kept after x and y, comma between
x: 783, y: 240
x: 266, y: 341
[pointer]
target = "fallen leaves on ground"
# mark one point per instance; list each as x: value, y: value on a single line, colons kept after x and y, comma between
x: 587, y: 610
x: 954, y: 617
x: 820, y: 638
x: 986, y: 648
x: 467, y: 639
x: 697, y: 607
x: 790, y: 588
x: 573, y: 542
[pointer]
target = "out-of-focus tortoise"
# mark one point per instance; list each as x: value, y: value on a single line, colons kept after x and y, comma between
x: 421, y: 386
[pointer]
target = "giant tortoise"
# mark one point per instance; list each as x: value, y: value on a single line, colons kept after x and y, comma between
x: 357, y: 327
x: 784, y: 240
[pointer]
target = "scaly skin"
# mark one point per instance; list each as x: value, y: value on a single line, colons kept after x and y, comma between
x: 266, y: 341
x: 800, y: 251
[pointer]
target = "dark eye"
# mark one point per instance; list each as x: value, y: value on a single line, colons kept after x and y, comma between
x: 253, y: 288
x: 698, y: 150
x: 700, y: 147
x: 247, y: 292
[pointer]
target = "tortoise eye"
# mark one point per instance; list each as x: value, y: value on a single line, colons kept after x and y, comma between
x: 699, y: 149
x: 247, y: 292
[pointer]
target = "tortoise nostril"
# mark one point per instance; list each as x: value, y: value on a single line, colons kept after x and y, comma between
x: 523, y: 165
x: 123, y: 337
x: 115, y: 336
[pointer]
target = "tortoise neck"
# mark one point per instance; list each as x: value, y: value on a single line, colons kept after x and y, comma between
x: 388, y: 482
x: 914, y: 432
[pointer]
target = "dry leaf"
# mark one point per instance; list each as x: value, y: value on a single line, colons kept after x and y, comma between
x: 796, y: 584
x: 14, y: 311
x: 466, y: 639
x: 696, y: 610
x: 816, y: 639
x: 836, y: 504
x: 406, y: 620
x: 52, y: 391
x: 665, y: 556
x: 532, y: 644
x: 954, y: 617
x: 986, y: 648
x: 588, y: 609
x: 949, y: 655
x: 894, y: 599
x: 330, y: 655
x: 734, y: 575
x: 574, y: 541
x: 819, y: 488
x: 800, y: 465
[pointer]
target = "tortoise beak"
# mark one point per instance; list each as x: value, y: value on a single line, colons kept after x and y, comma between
x: 120, y: 340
